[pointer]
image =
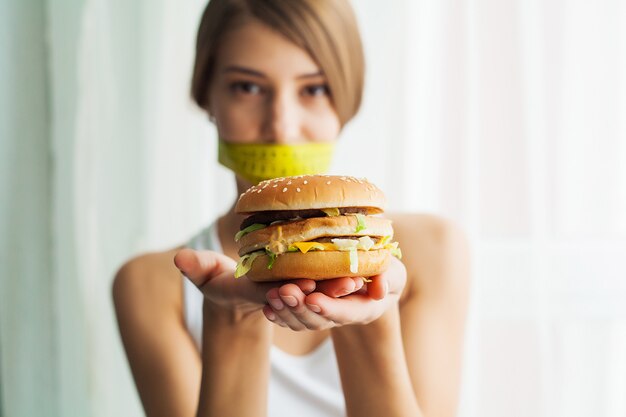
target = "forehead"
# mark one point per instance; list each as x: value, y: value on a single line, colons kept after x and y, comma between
x: 256, y: 45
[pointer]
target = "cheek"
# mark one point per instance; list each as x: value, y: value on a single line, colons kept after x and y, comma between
x: 323, y: 125
x: 237, y: 123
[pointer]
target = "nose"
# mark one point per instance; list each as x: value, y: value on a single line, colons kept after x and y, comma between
x: 283, y: 121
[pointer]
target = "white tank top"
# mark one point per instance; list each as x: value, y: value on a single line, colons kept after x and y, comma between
x: 306, y: 386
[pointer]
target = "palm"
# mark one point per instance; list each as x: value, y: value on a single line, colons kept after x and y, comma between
x: 214, y: 274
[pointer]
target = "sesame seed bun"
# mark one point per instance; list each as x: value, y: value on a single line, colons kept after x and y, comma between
x: 293, y: 234
x: 311, y: 192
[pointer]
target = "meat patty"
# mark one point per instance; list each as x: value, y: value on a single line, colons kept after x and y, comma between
x: 267, y: 217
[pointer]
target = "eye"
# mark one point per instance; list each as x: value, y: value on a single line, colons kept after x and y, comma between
x: 316, y: 90
x: 246, y: 87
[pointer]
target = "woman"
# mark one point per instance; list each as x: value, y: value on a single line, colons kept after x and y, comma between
x: 288, y: 72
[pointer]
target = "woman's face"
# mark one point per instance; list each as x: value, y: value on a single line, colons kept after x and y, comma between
x: 266, y: 89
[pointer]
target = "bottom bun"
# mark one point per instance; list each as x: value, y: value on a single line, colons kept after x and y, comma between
x: 318, y: 265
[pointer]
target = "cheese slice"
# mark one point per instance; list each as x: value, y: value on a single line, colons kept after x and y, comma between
x: 363, y: 243
x: 304, y: 247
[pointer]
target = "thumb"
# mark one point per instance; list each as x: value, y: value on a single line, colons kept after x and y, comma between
x: 201, y: 266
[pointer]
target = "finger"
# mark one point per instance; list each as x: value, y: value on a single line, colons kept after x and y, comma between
x: 378, y: 287
x: 339, y: 287
x: 271, y: 316
x: 258, y: 290
x: 307, y: 286
x: 354, y: 308
x: 281, y: 305
x: 292, y: 310
x: 200, y: 266
x: 396, y: 275
x: 273, y: 297
x: 213, y: 274
x: 390, y: 282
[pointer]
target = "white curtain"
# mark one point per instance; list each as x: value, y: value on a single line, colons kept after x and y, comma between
x: 508, y: 117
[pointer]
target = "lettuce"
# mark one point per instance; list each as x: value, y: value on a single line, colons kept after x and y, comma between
x: 365, y: 243
x: 245, y: 263
x: 272, y: 256
x: 249, y: 229
x: 394, y: 249
x: 360, y: 223
x: 345, y: 244
x: 354, y: 261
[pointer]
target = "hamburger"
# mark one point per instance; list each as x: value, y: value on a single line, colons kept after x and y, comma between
x: 313, y: 226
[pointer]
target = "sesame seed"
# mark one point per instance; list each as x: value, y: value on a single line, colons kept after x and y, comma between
x: 259, y: 192
x: 275, y: 185
x: 284, y: 189
x: 327, y: 182
x: 298, y: 189
x: 306, y: 182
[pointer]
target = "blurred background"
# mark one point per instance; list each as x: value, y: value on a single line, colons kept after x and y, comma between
x: 507, y: 116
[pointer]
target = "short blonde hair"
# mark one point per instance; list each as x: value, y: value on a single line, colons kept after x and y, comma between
x: 326, y: 29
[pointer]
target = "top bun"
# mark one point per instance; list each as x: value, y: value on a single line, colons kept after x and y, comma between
x: 311, y: 192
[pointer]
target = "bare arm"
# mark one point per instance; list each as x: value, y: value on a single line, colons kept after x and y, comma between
x: 373, y: 370
x: 235, y: 364
x: 164, y: 360
x: 433, y: 313
x: 430, y: 327
x: 236, y: 338
x: 406, y: 364
x: 165, y: 363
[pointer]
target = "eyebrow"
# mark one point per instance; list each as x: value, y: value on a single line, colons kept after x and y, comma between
x: 255, y: 73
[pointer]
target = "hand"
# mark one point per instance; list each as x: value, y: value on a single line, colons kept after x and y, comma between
x: 290, y: 307
x: 213, y: 273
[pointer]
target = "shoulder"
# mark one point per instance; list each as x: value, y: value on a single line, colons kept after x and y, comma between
x: 148, y: 283
x: 435, y: 251
x: 427, y: 231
